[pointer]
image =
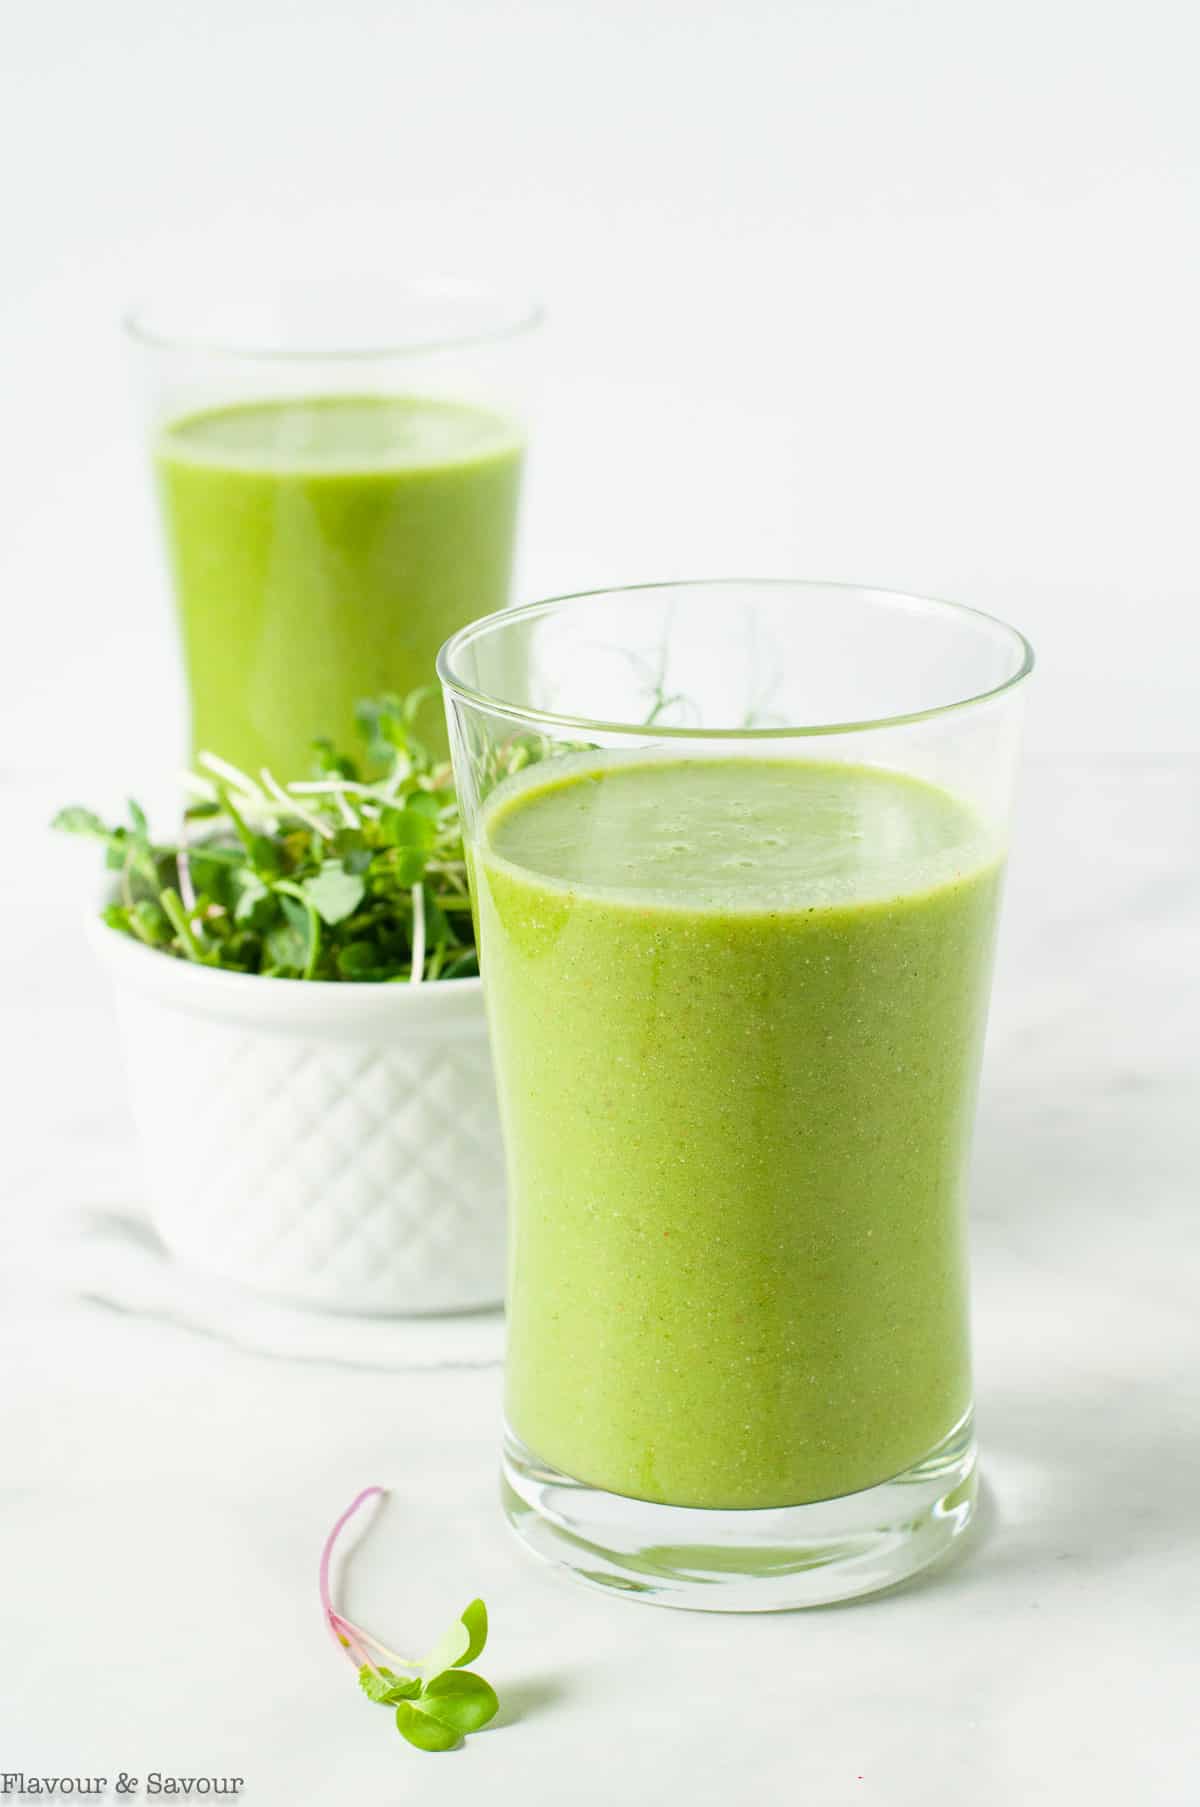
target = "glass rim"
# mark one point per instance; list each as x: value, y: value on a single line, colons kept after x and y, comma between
x: 488, y: 624
x: 515, y: 317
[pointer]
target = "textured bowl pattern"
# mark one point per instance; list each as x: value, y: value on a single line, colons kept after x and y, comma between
x: 347, y: 1158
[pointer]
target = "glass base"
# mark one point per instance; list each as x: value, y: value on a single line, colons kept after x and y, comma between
x: 772, y: 1560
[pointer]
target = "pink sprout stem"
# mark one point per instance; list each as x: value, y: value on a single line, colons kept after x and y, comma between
x: 356, y: 1631
x: 345, y: 1634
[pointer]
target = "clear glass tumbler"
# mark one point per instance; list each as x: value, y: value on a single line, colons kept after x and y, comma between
x: 339, y: 467
x: 736, y: 851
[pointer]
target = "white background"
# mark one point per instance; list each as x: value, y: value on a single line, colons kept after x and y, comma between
x: 903, y: 293
x: 900, y: 293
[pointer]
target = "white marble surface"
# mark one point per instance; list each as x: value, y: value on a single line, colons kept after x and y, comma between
x: 165, y: 1493
x: 899, y: 294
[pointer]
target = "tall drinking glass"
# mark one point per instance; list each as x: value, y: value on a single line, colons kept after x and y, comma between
x: 736, y: 851
x: 339, y: 469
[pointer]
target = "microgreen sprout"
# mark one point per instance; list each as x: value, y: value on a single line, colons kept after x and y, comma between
x: 357, y: 873
x: 439, y: 1700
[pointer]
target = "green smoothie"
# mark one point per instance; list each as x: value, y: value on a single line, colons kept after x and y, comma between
x: 322, y: 551
x: 737, y: 1007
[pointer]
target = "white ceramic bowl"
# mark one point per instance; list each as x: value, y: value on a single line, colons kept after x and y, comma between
x: 337, y: 1145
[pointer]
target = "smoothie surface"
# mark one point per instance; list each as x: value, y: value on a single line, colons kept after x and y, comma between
x: 737, y: 833
x: 338, y: 433
x: 737, y: 1007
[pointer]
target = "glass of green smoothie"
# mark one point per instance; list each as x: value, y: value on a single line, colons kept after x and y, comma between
x: 339, y: 469
x: 736, y: 856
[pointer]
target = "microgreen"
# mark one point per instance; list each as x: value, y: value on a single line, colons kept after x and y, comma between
x: 439, y: 1701
x: 356, y: 874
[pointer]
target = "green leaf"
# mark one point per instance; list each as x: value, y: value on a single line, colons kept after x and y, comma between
x: 422, y: 1729
x: 150, y: 923
x: 408, y: 827
x: 409, y: 866
x: 327, y: 762
x: 254, y: 900
x: 137, y: 816
x: 350, y: 846
x: 359, y: 960
x: 386, y: 1688
x: 334, y: 893
x: 265, y: 855
x: 75, y: 820
x: 219, y: 872
x: 288, y: 942
x: 381, y: 722
x: 460, y: 1699
x: 475, y: 1619
x: 460, y: 1643
x: 241, y: 952
x: 424, y: 803
x: 375, y: 1682
x: 450, y: 1650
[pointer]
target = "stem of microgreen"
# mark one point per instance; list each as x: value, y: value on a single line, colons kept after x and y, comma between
x: 235, y: 816
x: 306, y: 816
x: 347, y: 1636
x: 240, y: 780
x: 177, y: 916
x: 662, y: 703
x: 418, y: 935
x: 135, y: 928
x: 365, y: 1637
x: 183, y: 867
x: 327, y: 1607
x: 326, y: 787
x: 397, y: 777
x: 345, y: 1633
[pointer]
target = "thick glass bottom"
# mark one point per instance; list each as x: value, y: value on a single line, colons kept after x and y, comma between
x: 745, y: 1561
